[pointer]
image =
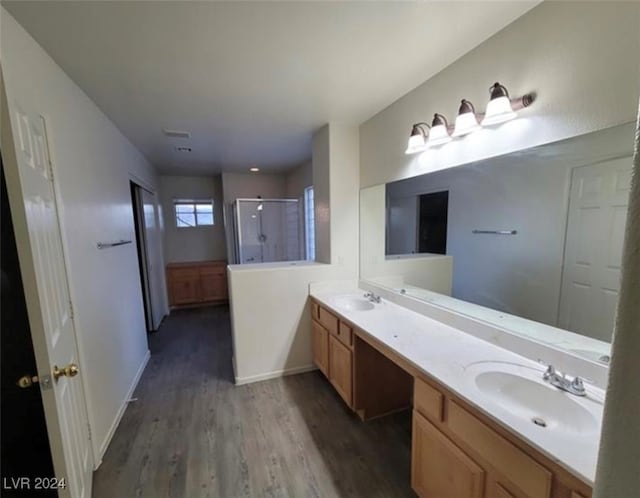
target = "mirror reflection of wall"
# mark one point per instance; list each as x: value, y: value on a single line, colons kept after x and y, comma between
x: 537, y: 233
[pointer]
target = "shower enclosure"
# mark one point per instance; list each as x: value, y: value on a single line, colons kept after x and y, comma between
x: 267, y: 230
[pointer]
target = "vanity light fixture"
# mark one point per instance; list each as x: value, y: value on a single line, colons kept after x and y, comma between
x: 467, y: 119
x: 418, y: 138
x: 439, y: 134
x: 501, y: 108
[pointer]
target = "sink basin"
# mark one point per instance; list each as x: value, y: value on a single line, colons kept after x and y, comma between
x: 521, y: 391
x: 352, y: 303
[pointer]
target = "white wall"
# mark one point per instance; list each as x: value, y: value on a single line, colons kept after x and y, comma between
x: 93, y: 162
x: 321, y: 190
x: 528, y: 192
x: 271, y: 317
x: 432, y: 272
x: 297, y: 180
x: 269, y: 303
x: 581, y: 60
x: 203, y: 243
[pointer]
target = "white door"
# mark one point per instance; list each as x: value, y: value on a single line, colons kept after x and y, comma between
x: 593, y: 249
x: 151, y: 250
x: 35, y: 216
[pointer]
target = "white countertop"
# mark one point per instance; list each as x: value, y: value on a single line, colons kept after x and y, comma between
x: 443, y: 352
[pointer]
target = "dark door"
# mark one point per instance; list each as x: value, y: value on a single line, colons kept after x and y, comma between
x: 138, y: 220
x: 432, y: 222
x: 25, y: 444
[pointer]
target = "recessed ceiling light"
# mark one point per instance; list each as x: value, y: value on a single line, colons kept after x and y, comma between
x: 254, y: 169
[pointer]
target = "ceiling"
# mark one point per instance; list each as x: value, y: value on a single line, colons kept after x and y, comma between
x: 251, y: 81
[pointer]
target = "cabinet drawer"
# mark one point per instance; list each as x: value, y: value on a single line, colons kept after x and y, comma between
x: 428, y: 401
x: 213, y: 270
x: 315, y: 310
x: 329, y: 320
x: 184, y: 273
x: 345, y: 334
x: 521, y: 470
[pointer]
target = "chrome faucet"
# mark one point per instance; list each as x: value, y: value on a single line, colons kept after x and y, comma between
x: 372, y: 297
x: 574, y: 386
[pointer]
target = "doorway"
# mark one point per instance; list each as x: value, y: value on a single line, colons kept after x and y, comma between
x: 432, y: 222
x: 25, y: 442
x: 145, y: 218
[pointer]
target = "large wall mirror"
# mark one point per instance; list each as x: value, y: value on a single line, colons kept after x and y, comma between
x: 530, y: 241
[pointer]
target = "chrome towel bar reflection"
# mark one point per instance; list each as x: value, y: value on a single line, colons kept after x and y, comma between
x: 496, y: 232
x: 105, y: 245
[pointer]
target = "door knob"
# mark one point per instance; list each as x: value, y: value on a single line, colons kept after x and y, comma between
x: 27, y: 381
x: 71, y: 370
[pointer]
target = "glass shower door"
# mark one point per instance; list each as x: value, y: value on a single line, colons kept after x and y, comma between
x: 268, y: 230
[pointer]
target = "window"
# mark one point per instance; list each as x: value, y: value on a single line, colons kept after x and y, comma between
x: 309, y: 224
x: 193, y: 213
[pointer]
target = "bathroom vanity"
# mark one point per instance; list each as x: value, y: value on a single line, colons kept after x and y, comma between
x: 477, y: 431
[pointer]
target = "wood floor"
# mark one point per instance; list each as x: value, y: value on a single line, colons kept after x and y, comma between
x: 192, y: 433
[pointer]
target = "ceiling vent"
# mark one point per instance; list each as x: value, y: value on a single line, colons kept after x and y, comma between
x: 177, y: 134
x: 183, y: 149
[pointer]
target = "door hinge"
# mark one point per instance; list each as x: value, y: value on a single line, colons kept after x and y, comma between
x: 71, y: 313
x: 50, y: 170
x: 89, y: 431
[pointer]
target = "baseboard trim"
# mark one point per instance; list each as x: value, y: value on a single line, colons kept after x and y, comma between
x: 274, y: 375
x: 121, y: 410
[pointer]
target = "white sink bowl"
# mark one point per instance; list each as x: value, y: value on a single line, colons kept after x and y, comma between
x: 352, y: 303
x: 521, y: 391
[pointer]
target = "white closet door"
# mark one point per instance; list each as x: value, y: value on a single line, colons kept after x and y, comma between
x: 152, y: 253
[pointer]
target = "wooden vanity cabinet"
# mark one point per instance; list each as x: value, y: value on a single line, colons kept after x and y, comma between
x: 197, y: 283
x: 457, y: 451
x: 184, y: 286
x: 320, y: 347
x: 332, y: 350
x: 341, y: 369
x: 476, y: 451
x: 439, y: 469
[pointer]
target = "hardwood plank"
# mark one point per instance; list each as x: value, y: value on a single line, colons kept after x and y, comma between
x: 193, y: 433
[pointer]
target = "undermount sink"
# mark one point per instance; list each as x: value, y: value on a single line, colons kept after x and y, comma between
x: 352, y: 303
x: 522, y: 392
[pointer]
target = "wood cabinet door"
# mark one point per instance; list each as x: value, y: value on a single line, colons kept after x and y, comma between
x: 439, y: 469
x: 213, y: 285
x: 320, y: 346
x: 185, y: 288
x: 340, y: 369
x: 499, y: 491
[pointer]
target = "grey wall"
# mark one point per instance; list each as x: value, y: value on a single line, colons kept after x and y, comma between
x: 197, y: 243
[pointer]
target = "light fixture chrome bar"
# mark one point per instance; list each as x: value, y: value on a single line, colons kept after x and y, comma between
x: 106, y: 245
x: 496, y: 232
